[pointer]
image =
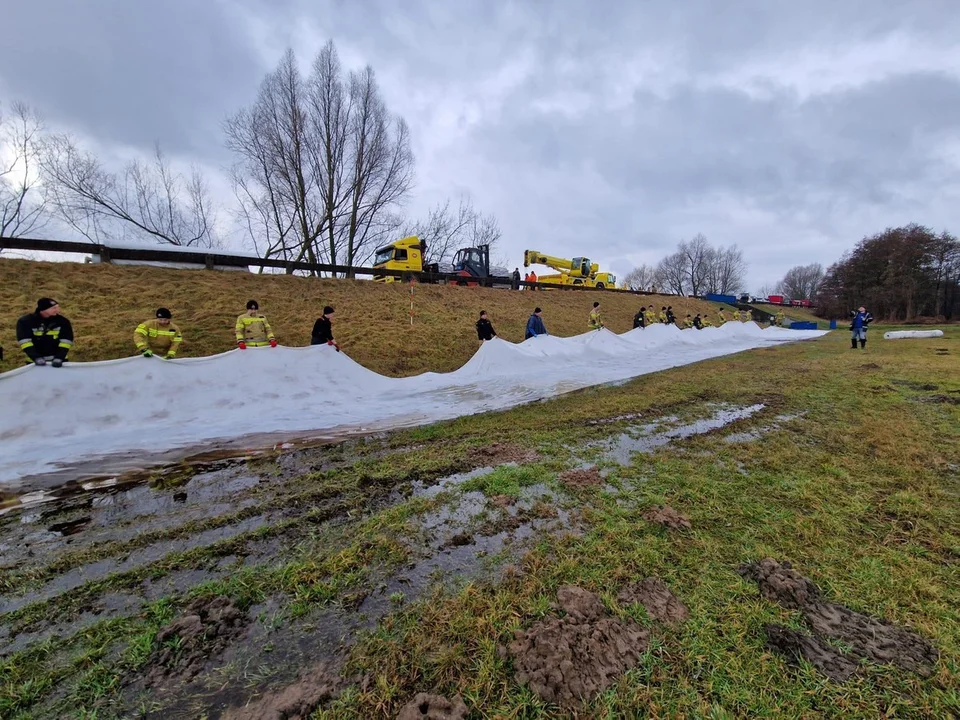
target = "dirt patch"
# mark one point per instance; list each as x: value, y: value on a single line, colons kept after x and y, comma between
x: 459, y: 540
x: 589, y: 477
x: 812, y: 648
x: 433, y: 707
x: 566, y: 660
x: 867, y: 638
x: 295, y: 701
x: 206, y: 627
x: 945, y: 399
x: 781, y: 583
x: 499, y: 453
x: 655, y: 596
x: 503, y: 501
x: 869, y: 366
x: 667, y: 517
x: 915, y: 385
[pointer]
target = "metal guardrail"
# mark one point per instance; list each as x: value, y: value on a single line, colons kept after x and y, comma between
x: 211, y: 259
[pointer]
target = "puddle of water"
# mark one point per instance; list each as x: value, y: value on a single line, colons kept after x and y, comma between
x: 643, y: 438
x: 450, y: 482
x: 758, y: 433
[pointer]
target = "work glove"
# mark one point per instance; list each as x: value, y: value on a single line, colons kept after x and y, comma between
x: 333, y: 342
x: 273, y: 343
x: 147, y: 353
x: 40, y: 362
x: 241, y: 344
x: 57, y: 362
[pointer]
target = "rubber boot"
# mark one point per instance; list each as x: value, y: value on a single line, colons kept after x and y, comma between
x: 853, y: 343
x: 863, y: 344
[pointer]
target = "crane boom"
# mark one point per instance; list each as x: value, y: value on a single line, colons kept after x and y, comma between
x: 574, y: 267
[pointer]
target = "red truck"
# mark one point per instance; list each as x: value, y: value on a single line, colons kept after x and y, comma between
x: 801, y: 303
x: 776, y: 299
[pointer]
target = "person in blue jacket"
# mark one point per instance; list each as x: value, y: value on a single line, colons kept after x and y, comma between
x: 535, y: 325
x: 858, y: 327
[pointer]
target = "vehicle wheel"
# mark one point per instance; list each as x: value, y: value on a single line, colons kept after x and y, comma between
x: 599, y: 286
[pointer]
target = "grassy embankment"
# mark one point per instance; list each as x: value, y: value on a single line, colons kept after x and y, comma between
x: 860, y: 492
x: 105, y: 304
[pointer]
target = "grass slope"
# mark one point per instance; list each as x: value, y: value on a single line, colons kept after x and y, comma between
x: 105, y: 303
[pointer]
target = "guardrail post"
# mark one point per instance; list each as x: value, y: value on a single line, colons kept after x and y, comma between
x: 208, y: 261
x: 104, y: 252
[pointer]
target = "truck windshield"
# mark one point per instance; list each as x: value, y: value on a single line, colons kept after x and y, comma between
x: 383, y: 255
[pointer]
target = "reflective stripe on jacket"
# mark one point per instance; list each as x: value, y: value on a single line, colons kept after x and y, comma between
x: 595, y: 322
x: 161, y: 339
x: 253, y: 330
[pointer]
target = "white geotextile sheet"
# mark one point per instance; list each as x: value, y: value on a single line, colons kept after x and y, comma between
x: 54, y: 418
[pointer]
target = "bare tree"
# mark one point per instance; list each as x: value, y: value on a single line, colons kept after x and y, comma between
x: 726, y: 270
x: 767, y: 290
x: 22, y: 207
x: 643, y: 277
x: 697, y: 255
x: 148, y: 200
x: 323, y: 165
x: 671, y: 274
x: 445, y: 230
x: 802, y: 281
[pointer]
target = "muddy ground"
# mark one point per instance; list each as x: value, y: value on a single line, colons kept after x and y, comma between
x: 237, y: 588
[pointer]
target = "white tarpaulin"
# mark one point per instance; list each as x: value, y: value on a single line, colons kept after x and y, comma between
x: 54, y: 418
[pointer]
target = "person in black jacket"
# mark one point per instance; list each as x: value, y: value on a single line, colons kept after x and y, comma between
x: 697, y: 322
x: 639, y: 320
x: 671, y: 318
x: 45, y: 335
x: 323, y: 330
x: 485, y: 329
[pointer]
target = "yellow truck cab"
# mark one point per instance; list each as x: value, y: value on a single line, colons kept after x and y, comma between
x: 404, y: 254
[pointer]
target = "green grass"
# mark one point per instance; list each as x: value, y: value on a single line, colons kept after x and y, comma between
x: 860, y: 492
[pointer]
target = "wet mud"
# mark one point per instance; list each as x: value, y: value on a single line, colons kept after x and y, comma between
x: 867, y: 639
x: 581, y: 478
x: 657, y: 599
x: 567, y: 660
x: 433, y: 707
x: 667, y: 517
x: 298, y: 700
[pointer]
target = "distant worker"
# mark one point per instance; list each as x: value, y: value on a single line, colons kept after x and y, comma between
x: 779, y: 318
x: 485, y: 329
x: 535, y: 325
x: 323, y: 329
x: 639, y: 320
x: 671, y: 318
x: 697, y: 322
x: 650, y: 316
x: 687, y: 322
x: 253, y: 328
x: 595, y: 322
x: 705, y: 322
x: 858, y: 327
x: 533, y: 278
x: 515, y: 279
x: 662, y: 317
x: 158, y: 336
x: 45, y: 335
x: 745, y: 316
x: 723, y: 318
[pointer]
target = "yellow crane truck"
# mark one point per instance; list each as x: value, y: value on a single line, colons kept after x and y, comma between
x: 573, y: 271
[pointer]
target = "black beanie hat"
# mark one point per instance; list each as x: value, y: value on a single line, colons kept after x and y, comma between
x: 253, y: 305
x: 327, y: 310
x: 536, y: 310
x: 45, y: 304
x: 164, y: 314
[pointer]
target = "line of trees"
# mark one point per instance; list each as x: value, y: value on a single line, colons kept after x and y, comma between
x: 696, y: 268
x: 322, y: 172
x: 900, y: 274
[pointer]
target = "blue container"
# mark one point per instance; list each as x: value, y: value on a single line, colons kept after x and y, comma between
x: 833, y: 324
x: 729, y: 299
x: 803, y: 326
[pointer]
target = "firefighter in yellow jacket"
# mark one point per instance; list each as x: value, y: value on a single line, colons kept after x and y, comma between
x: 723, y: 318
x: 253, y: 328
x: 158, y: 336
x: 595, y: 322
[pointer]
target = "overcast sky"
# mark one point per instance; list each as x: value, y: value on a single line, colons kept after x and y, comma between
x: 609, y: 129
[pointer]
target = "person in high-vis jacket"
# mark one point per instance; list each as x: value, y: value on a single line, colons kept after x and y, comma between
x: 158, y: 337
x: 705, y: 322
x: 723, y: 318
x: 253, y: 330
x: 45, y: 335
x: 662, y: 316
x: 778, y: 320
x: 650, y: 316
x: 687, y: 322
x: 595, y: 322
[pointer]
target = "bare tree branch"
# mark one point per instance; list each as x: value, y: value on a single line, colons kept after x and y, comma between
x: 22, y: 207
x: 643, y: 277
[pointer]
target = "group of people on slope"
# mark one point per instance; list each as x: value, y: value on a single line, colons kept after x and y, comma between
x: 46, y: 336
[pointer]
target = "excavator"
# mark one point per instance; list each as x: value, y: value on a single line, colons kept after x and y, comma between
x: 575, y: 271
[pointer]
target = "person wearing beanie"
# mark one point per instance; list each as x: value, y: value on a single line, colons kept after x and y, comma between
x: 671, y: 318
x: 722, y: 316
x: 45, y: 335
x: 158, y: 336
x: 662, y: 315
x: 323, y: 329
x: 595, y: 322
x: 485, y: 329
x: 253, y: 329
x: 698, y: 322
x: 687, y: 322
x: 535, y: 325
